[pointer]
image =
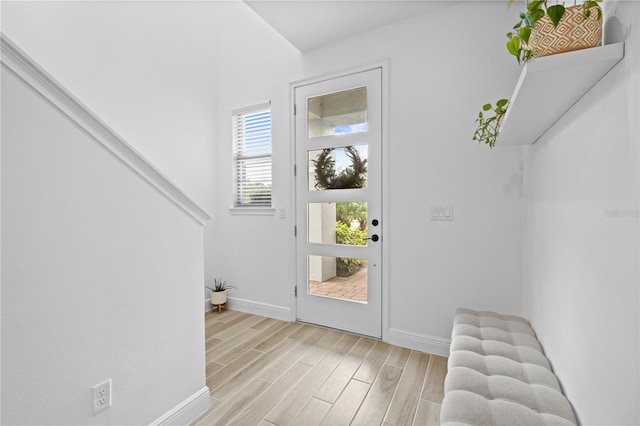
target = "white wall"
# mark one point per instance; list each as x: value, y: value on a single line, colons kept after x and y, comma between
x: 436, y: 164
x: 252, y: 252
x: 443, y: 67
x: 148, y: 69
x: 101, y: 278
x: 580, y: 258
x: 250, y: 63
x: 166, y: 76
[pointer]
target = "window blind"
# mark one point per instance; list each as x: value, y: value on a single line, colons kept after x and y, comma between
x: 252, y: 156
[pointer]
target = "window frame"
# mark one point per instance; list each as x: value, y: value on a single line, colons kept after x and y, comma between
x: 238, y: 141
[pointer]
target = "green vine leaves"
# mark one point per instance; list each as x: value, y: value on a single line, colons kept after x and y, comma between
x: 518, y: 44
x: 354, y: 176
x: 490, y: 118
x: 487, y: 124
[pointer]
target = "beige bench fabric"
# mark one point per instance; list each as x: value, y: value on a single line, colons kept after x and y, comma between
x: 498, y: 375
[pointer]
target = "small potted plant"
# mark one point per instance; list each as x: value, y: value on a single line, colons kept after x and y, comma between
x: 489, y: 121
x: 545, y: 30
x: 219, y: 293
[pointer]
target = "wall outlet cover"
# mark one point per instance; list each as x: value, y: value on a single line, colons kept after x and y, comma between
x: 101, y: 396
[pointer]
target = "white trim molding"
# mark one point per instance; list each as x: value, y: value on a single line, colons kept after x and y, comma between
x: 252, y: 211
x: 259, y: 308
x: 26, y: 69
x: 418, y: 342
x: 187, y: 411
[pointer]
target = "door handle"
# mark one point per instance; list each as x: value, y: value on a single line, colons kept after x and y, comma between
x: 373, y: 238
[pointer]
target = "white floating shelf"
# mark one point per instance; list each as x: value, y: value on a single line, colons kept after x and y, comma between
x: 549, y: 86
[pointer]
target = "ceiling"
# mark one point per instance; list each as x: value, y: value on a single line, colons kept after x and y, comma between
x: 312, y: 23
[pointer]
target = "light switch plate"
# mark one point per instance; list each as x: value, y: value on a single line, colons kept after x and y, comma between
x: 442, y: 213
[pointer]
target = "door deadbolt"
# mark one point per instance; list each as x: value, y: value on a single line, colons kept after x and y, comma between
x: 375, y: 222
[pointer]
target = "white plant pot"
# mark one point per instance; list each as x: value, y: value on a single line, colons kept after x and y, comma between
x: 218, y: 297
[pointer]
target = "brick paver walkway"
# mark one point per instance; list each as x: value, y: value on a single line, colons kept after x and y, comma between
x: 350, y: 288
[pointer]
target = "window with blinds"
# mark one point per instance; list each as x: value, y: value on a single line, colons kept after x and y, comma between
x: 252, y: 156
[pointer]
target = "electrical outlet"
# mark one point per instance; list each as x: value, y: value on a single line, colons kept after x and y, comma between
x: 101, y: 396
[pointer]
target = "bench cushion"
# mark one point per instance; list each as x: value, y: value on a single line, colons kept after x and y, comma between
x: 499, y: 375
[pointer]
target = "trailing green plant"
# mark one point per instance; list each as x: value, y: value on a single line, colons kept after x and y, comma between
x: 518, y: 44
x: 490, y: 118
x: 488, y: 122
x: 220, y: 285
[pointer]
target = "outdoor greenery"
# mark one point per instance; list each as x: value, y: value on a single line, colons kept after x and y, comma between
x: 351, y: 218
x: 347, y: 214
x: 255, y: 193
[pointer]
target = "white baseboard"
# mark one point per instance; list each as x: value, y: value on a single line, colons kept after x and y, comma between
x: 257, y: 308
x: 188, y: 410
x: 419, y: 342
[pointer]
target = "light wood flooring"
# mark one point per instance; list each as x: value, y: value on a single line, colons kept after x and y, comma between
x: 263, y: 371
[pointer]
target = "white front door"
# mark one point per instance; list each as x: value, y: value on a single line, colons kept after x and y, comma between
x: 338, y: 145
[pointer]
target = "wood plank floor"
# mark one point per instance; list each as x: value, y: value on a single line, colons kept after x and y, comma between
x: 263, y: 371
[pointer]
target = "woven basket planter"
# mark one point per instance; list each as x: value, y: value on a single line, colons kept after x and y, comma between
x: 573, y: 32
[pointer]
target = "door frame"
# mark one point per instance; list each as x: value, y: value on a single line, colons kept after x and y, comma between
x: 384, y: 67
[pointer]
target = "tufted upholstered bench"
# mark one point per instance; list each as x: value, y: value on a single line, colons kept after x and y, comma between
x: 498, y: 375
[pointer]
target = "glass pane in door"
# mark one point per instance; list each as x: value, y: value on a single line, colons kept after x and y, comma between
x: 337, y: 277
x: 337, y: 223
x: 338, y: 168
x: 338, y: 113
